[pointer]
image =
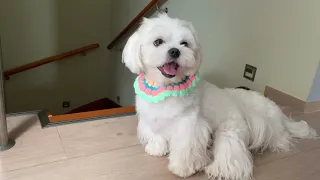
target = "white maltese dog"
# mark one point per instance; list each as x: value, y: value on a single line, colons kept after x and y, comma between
x: 199, y: 126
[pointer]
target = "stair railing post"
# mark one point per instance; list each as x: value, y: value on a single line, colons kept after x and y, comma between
x: 5, y: 143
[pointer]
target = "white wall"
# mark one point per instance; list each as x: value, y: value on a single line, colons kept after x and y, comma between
x: 279, y: 37
x: 287, y: 43
x: 36, y: 29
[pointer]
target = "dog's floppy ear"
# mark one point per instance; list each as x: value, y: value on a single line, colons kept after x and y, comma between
x: 131, y: 54
x: 198, y: 52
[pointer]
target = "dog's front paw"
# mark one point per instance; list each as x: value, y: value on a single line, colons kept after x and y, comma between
x: 181, y: 170
x: 157, y: 147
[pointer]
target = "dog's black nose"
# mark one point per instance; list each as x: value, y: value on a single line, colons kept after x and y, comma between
x: 174, y: 53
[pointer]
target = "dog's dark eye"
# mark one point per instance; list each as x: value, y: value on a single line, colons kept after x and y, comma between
x: 158, y: 42
x: 184, y: 43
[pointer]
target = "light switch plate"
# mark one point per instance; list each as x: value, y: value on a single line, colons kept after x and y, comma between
x: 249, y: 72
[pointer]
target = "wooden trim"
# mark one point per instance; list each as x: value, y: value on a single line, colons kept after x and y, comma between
x: 50, y: 59
x: 312, y: 107
x: 284, y: 99
x: 92, y: 114
x: 135, y: 21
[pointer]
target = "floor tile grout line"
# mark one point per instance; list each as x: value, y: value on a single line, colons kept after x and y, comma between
x: 33, y: 166
x: 287, y: 157
x: 272, y: 161
x: 40, y: 164
x: 67, y: 159
x: 61, y: 142
x: 62, y: 159
x: 111, y: 150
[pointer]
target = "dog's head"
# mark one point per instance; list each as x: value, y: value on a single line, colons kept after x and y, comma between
x: 165, y: 49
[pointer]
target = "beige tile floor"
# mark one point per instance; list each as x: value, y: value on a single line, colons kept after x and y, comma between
x: 109, y: 150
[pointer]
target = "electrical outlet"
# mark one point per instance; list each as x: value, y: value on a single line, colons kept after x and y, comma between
x: 249, y: 72
x: 118, y: 99
x: 66, y: 104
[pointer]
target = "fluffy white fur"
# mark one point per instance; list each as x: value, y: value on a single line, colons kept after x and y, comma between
x: 235, y: 121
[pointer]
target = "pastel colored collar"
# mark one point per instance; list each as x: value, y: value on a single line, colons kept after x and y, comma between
x: 149, y: 91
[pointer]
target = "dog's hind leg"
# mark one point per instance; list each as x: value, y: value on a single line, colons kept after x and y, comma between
x: 232, y: 159
x: 189, y: 146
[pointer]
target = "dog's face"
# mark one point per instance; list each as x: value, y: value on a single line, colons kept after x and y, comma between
x: 165, y: 49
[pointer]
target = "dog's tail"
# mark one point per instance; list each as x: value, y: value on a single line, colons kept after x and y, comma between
x: 292, y: 130
x: 269, y: 127
x: 299, y: 129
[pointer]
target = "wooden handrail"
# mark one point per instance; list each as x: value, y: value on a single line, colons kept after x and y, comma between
x: 135, y: 21
x: 50, y: 59
x: 91, y: 114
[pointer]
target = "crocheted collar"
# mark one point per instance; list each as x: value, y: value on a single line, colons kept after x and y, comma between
x: 149, y: 91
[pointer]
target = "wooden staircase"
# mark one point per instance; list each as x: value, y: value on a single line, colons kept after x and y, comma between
x: 100, y: 104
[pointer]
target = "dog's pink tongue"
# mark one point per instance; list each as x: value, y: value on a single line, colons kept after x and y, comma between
x: 170, y: 68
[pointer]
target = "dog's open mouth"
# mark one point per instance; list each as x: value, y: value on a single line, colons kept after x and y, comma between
x: 169, y: 69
